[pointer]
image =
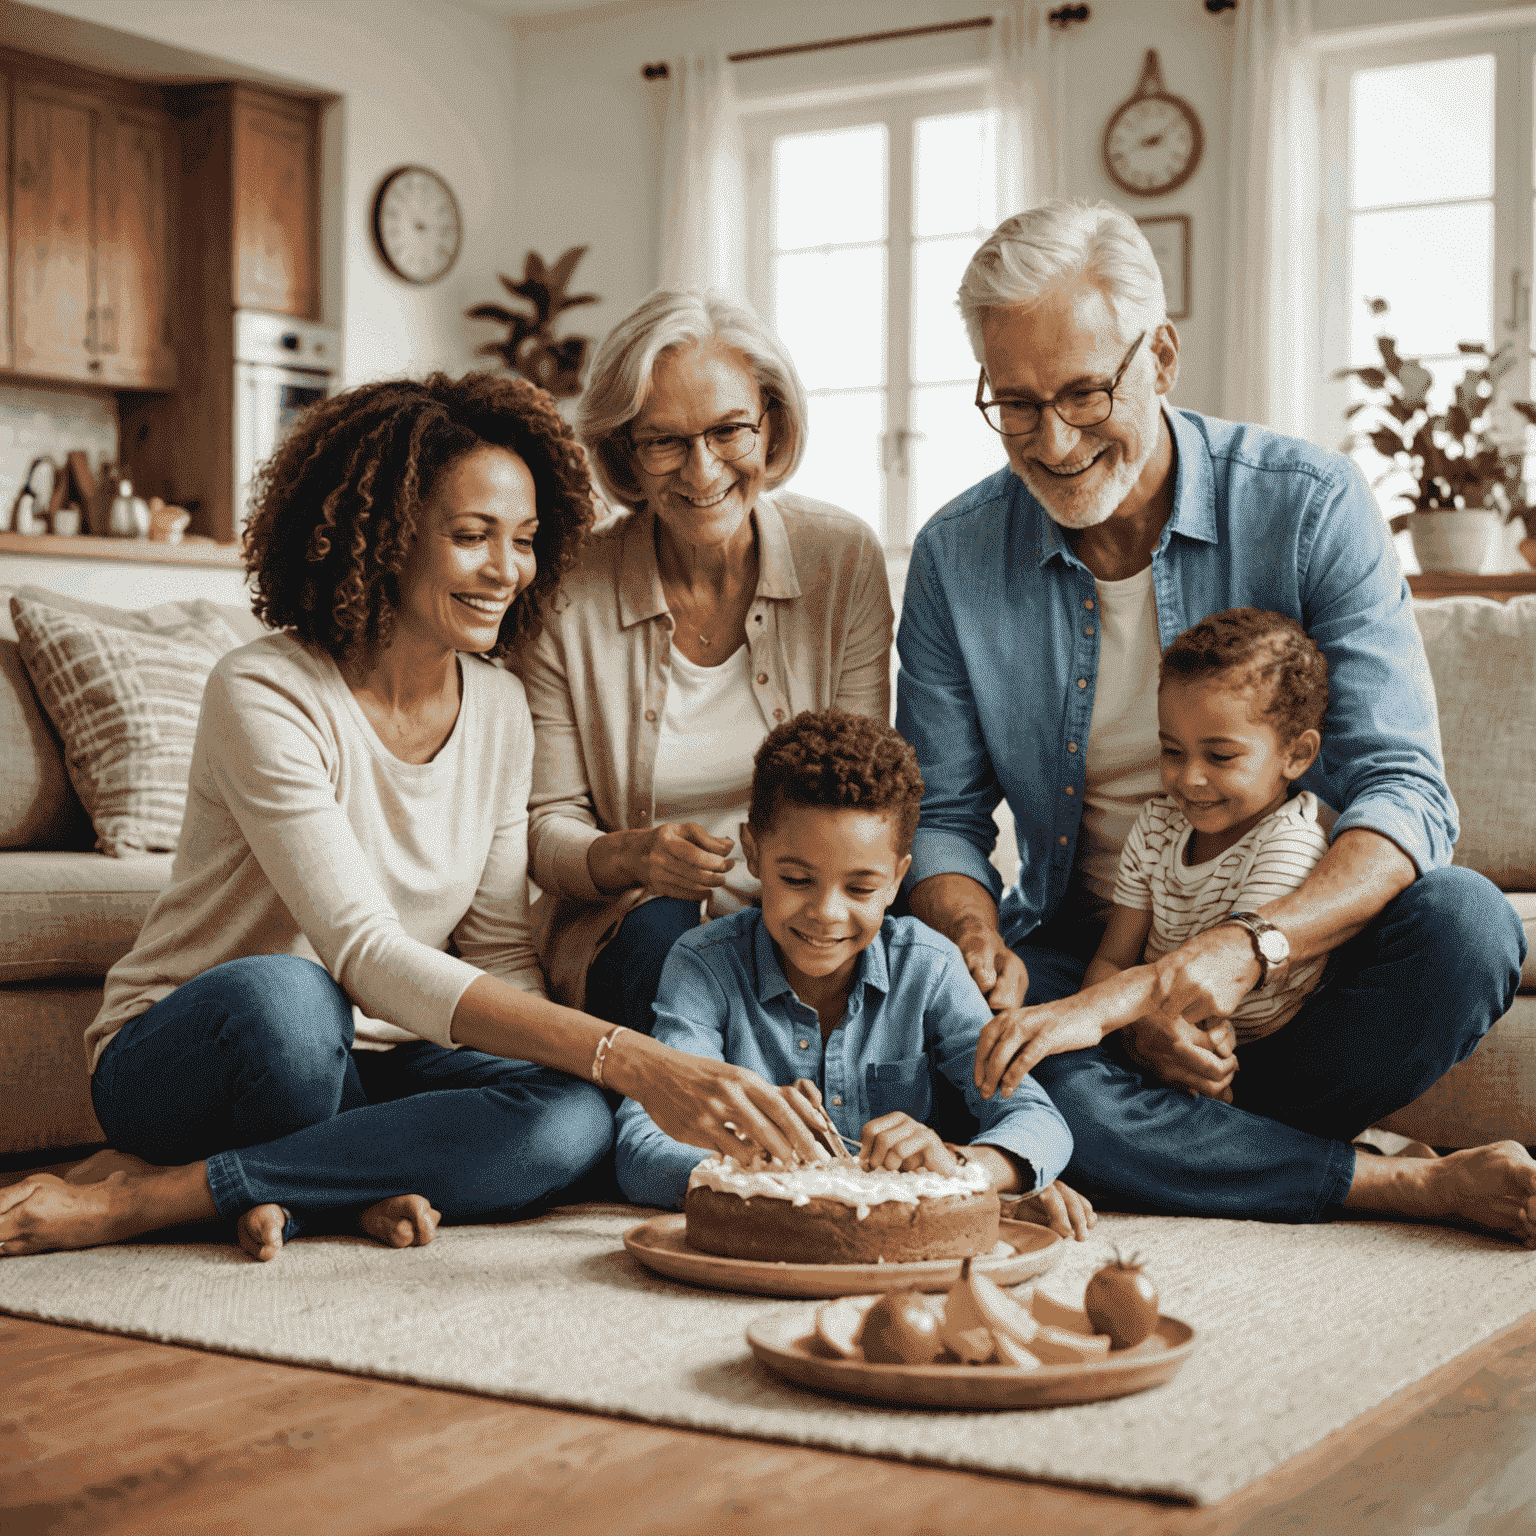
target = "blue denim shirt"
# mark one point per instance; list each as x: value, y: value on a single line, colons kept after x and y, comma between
x: 999, y: 647
x: 913, y: 1008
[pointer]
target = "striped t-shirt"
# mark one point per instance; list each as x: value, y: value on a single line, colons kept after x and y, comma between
x: 1186, y: 899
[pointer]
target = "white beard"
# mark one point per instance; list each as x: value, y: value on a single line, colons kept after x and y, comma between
x: 1085, y: 509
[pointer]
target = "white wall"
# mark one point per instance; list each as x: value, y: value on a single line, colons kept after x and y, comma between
x: 591, y: 127
x: 426, y: 83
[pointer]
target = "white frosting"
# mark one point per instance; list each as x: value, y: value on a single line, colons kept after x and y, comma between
x: 842, y: 1180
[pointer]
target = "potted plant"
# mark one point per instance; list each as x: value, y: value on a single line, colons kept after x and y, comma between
x: 1465, y: 461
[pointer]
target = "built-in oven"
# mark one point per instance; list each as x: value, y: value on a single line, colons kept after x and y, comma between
x: 282, y: 367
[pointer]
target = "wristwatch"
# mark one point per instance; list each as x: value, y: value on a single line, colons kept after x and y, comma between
x: 1269, y: 944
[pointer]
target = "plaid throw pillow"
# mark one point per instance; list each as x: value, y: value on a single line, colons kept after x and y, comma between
x: 125, y: 702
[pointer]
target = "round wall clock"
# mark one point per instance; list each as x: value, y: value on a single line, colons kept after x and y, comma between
x: 1153, y: 141
x: 416, y: 224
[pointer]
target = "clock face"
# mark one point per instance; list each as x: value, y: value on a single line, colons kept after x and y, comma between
x: 1152, y: 145
x: 416, y: 224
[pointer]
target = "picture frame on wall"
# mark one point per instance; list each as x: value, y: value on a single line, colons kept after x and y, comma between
x: 1169, y: 237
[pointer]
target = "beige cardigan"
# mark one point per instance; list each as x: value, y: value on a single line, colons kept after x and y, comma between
x: 818, y: 633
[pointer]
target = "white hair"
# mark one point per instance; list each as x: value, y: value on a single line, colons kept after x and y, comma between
x: 1055, y: 243
x: 624, y: 365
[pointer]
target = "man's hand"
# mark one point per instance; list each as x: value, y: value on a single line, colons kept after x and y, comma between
x: 898, y: 1142
x: 1017, y: 1040
x: 1190, y: 1056
x: 1206, y: 977
x: 1059, y: 1207
x: 996, y: 970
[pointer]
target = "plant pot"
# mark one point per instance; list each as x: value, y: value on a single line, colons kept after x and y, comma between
x: 1466, y: 540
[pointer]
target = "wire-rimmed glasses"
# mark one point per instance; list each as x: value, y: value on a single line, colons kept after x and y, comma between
x: 728, y: 441
x: 1077, y: 407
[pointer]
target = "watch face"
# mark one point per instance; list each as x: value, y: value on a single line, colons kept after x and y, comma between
x: 1274, y: 946
x: 416, y: 224
x: 1152, y: 145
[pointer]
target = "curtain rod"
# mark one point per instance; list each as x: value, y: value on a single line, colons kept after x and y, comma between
x: 971, y: 24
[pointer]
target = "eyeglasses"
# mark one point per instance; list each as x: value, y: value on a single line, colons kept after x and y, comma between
x: 729, y: 441
x: 1077, y: 408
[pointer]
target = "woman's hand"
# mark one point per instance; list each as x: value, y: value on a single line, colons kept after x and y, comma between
x: 676, y: 859
x: 708, y: 1103
x: 1059, y: 1207
x: 898, y: 1142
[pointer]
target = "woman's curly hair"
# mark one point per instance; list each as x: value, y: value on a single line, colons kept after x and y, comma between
x: 1268, y: 655
x: 337, y: 507
x: 831, y: 760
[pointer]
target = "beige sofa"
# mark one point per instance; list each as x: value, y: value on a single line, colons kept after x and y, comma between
x: 67, y: 913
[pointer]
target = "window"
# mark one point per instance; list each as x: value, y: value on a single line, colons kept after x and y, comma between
x: 862, y: 219
x: 1428, y: 204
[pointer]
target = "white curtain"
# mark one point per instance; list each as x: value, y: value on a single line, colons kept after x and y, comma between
x: 703, y: 208
x: 1026, y: 88
x: 1271, y: 353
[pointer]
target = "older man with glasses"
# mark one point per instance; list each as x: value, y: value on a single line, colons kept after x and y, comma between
x: 1037, y: 607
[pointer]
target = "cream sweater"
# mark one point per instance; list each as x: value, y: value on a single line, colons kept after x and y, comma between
x: 304, y: 835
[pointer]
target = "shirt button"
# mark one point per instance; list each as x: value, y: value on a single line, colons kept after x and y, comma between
x: 836, y: 1099
x: 1082, y: 682
x: 1071, y: 746
x: 803, y: 1044
x: 778, y: 714
x: 1087, y: 602
x: 650, y: 715
x: 1062, y: 841
x: 1088, y: 629
x: 762, y: 677
x: 1070, y: 790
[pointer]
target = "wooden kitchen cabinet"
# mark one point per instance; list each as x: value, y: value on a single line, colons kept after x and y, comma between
x: 91, y: 239
x: 276, y: 176
x: 5, y: 226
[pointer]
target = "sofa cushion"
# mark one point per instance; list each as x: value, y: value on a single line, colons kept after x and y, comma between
x: 72, y: 914
x: 1483, y: 658
x: 1524, y: 903
x: 125, y: 700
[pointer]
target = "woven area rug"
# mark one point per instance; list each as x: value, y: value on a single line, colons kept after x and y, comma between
x: 1299, y: 1330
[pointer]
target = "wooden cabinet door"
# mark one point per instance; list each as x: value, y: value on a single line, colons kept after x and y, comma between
x: 133, y: 251
x: 54, y: 319
x: 5, y: 227
x: 276, y: 206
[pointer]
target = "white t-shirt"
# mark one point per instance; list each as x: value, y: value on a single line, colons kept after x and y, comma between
x: 710, y: 728
x: 1186, y: 899
x: 1122, y: 765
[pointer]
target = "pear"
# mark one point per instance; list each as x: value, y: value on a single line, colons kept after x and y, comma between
x: 900, y: 1329
x: 838, y: 1324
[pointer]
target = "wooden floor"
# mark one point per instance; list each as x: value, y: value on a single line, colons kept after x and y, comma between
x: 100, y: 1433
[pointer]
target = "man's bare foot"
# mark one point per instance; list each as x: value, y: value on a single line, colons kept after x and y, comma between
x: 1492, y: 1188
x: 260, y: 1231
x: 44, y: 1212
x: 99, y: 1165
x: 402, y: 1221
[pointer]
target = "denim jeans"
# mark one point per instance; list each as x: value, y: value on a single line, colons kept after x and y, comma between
x: 250, y: 1066
x: 622, y: 980
x: 1398, y: 1006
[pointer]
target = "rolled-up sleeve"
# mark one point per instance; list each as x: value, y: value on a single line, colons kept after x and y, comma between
x: 936, y: 712
x: 1381, y: 763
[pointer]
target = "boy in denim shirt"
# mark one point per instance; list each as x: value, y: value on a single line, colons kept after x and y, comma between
x: 819, y: 989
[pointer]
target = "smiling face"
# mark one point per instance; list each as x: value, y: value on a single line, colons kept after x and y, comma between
x: 705, y: 500
x: 1221, y: 761
x: 472, y: 555
x: 827, y: 875
x: 1070, y: 340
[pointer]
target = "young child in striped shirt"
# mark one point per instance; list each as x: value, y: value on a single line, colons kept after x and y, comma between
x: 1240, y: 703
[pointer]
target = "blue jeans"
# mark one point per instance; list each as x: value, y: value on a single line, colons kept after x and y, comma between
x: 623, y: 979
x: 250, y: 1066
x: 1398, y: 1006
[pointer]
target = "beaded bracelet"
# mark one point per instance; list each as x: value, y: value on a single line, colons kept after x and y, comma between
x: 602, y: 1052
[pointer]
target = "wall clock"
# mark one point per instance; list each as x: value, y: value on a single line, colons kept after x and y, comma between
x: 1153, y: 141
x: 416, y: 224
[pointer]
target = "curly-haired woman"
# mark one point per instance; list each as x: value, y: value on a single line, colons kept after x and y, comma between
x: 715, y: 608
x: 334, y: 1011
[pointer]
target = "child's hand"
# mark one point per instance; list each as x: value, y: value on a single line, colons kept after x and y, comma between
x: 898, y: 1142
x: 1017, y: 1040
x: 1059, y: 1207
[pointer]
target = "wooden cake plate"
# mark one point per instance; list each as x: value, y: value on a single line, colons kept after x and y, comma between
x: 661, y: 1244
x: 782, y: 1342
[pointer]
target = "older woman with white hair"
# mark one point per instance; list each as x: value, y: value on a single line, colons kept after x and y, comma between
x: 714, y: 607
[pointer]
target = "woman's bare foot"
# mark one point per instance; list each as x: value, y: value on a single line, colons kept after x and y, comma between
x: 402, y: 1221
x: 44, y: 1212
x: 100, y: 1165
x: 260, y: 1231
x: 1492, y: 1188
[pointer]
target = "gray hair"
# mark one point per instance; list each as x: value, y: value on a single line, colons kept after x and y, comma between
x: 626, y: 361
x: 1057, y: 242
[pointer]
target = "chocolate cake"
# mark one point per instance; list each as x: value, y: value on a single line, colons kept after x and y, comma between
x: 839, y: 1213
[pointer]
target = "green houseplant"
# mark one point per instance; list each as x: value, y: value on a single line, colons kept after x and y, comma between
x: 1465, y: 463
